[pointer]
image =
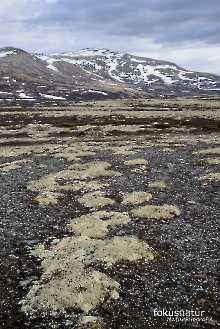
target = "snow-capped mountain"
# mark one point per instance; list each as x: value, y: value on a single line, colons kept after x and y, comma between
x: 95, y: 74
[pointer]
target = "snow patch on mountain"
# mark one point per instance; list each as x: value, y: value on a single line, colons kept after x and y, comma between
x: 6, y: 53
x: 82, y: 63
x: 52, y: 97
x: 24, y: 96
x: 97, y: 92
x: 147, y: 70
x: 137, y: 60
x: 88, y: 53
x: 112, y: 64
x: 50, y: 61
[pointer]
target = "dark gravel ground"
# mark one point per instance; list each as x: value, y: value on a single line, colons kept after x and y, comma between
x: 184, y: 276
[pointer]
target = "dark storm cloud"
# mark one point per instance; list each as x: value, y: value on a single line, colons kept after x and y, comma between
x: 164, y: 21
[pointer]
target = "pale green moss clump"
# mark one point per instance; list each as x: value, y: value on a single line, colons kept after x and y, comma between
x: 92, y: 170
x: 47, y: 198
x: 123, y: 248
x: 9, y: 166
x: 78, y: 174
x: 95, y: 200
x: 97, y: 224
x: 73, y: 290
x: 74, y: 153
x: 45, y: 184
x: 136, y: 163
x: 11, y: 151
x: 47, y: 187
x: 122, y: 150
x: 158, y: 184
x: 209, y: 161
x: 214, y: 150
x: 212, y: 177
x: 136, y: 197
x: 91, y: 322
x: 45, y: 149
x: 157, y: 212
x: 69, y: 280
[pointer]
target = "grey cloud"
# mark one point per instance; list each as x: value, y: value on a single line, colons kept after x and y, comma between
x: 167, y: 21
x: 150, y: 27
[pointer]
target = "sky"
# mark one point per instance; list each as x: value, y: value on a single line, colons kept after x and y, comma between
x: 186, y: 32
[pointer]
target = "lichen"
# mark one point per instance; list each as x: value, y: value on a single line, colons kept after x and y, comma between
x: 214, y: 150
x: 45, y: 184
x: 136, y: 163
x: 211, y: 177
x: 158, y: 184
x: 76, y: 289
x: 74, y: 178
x: 122, y: 150
x: 97, y: 224
x: 91, y: 322
x: 74, y: 153
x: 123, y: 249
x: 47, y: 198
x: 157, y: 212
x: 209, y: 161
x: 92, y: 170
x: 70, y: 281
x: 9, y: 166
x: 9, y: 151
x: 95, y: 200
x: 136, y: 197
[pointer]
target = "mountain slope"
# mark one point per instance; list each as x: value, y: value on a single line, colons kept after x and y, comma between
x: 95, y: 74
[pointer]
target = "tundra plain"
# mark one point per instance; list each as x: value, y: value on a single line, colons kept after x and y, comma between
x: 109, y: 210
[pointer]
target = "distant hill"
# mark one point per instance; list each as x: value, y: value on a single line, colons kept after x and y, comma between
x: 95, y: 74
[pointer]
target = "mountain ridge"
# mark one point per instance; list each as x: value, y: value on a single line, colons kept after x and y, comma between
x: 27, y: 77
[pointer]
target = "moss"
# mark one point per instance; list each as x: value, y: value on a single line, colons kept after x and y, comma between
x: 136, y: 197
x: 95, y: 200
x: 124, y: 149
x: 44, y: 149
x: 136, y: 163
x: 72, y: 290
x: 158, y: 184
x: 69, y: 280
x: 9, y: 166
x: 97, y: 224
x: 211, y: 177
x: 157, y: 212
x: 10, y: 151
x: 92, y: 185
x: 78, y: 174
x: 72, y: 153
x: 91, y: 322
x: 209, y: 161
x: 123, y: 128
x: 214, y: 150
x: 167, y: 149
x: 45, y: 184
x: 209, y: 139
x: 47, y: 187
x: 123, y: 249
x: 93, y: 170
x: 47, y: 198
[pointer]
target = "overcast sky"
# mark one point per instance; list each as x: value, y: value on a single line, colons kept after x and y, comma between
x: 183, y: 31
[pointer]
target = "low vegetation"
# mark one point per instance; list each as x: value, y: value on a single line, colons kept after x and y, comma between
x: 157, y: 212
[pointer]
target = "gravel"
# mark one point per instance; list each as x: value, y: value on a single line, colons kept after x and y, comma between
x: 183, y: 276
